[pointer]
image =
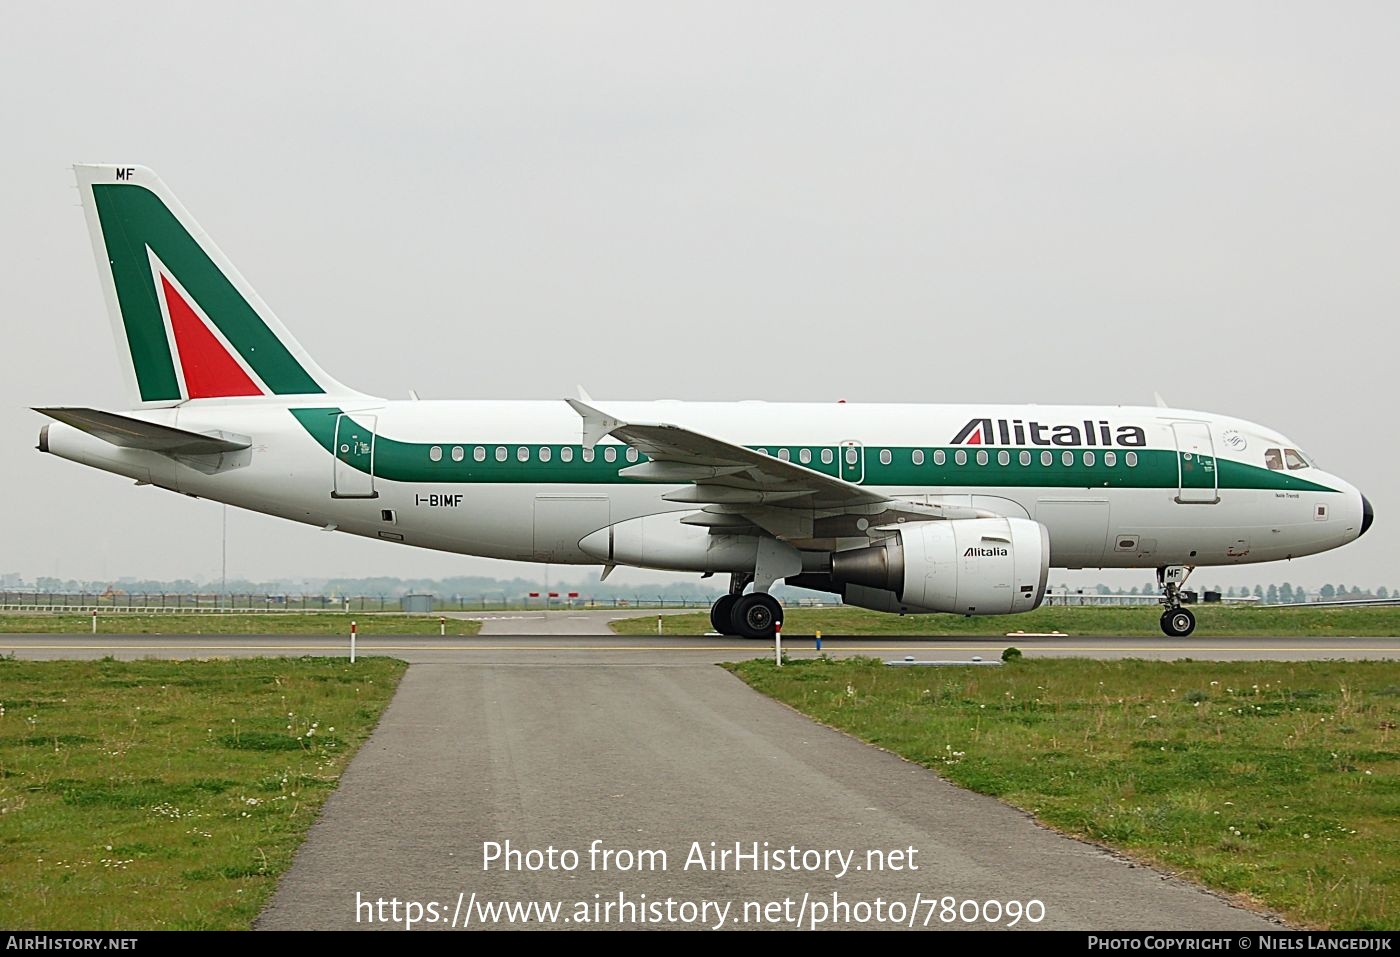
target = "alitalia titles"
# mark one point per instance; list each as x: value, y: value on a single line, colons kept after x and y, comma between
x: 978, y: 552
x: 1031, y: 432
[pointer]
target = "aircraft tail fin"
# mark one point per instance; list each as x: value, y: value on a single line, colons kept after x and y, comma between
x: 187, y: 324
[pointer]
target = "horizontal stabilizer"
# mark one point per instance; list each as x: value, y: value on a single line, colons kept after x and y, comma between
x: 130, y: 433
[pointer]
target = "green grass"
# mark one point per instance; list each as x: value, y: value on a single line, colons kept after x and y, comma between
x: 330, y: 624
x: 152, y: 794
x: 1211, y: 621
x: 1276, y: 781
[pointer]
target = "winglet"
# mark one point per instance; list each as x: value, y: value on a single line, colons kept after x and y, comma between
x: 596, y: 423
x: 1161, y: 402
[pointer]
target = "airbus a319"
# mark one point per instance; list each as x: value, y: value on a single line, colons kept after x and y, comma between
x: 908, y: 509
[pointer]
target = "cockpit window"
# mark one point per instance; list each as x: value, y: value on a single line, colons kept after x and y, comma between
x: 1294, y: 459
x: 1273, y: 458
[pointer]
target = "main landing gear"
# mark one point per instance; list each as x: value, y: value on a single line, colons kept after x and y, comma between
x: 747, y: 616
x: 1177, y: 622
x: 721, y: 613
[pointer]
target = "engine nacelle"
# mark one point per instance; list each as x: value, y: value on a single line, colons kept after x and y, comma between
x: 980, y: 566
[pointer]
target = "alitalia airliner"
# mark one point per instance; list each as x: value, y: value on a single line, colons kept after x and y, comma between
x: 908, y: 509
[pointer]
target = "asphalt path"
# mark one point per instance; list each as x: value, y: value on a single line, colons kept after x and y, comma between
x: 641, y: 758
x: 680, y: 759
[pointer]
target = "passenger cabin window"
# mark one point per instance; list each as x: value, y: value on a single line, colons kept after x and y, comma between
x: 939, y: 456
x: 478, y: 454
x: 982, y: 457
x: 435, y: 453
x: 566, y: 454
x: 885, y: 457
x: 545, y: 454
x: 805, y: 456
x: 1088, y: 458
x: 1110, y: 459
x: 851, y: 456
x: 1294, y: 460
x: 610, y: 454
x: 918, y: 456
x: 501, y: 453
x: 1025, y: 457
x: 1047, y: 459
x: 588, y: 455
x: 458, y: 453
x: 1130, y: 459
x: 632, y: 454
x: 1273, y: 458
x: 784, y: 455
x: 827, y: 457
x: 960, y: 457
x: 1003, y: 457
x: 1067, y: 457
x: 523, y: 453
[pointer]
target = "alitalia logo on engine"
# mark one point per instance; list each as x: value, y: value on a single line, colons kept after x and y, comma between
x: 976, y: 552
x: 1031, y: 432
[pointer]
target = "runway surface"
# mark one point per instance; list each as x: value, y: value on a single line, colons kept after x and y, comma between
x: 656, y: 651
x: 640, y: 744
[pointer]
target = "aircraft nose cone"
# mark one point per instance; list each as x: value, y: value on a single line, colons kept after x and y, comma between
x: 1367, y: 515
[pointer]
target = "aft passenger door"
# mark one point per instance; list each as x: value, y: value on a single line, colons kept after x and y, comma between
x: 1198, y: 480
x: 354, y: 457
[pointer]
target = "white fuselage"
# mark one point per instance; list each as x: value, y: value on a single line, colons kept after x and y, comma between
x: 1116, y: 487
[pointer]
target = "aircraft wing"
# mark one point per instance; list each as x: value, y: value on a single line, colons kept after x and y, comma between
x: 735, y: 485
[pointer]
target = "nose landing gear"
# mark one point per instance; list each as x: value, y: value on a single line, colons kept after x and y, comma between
x: 1177, y: 622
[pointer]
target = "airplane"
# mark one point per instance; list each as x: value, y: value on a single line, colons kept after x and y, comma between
x: 901, y: 508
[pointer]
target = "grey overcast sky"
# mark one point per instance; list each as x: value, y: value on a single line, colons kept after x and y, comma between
x: 914, y: 202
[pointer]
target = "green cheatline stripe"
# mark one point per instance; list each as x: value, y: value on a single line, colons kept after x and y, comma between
x: 133, y: 218
x: 398, y: 461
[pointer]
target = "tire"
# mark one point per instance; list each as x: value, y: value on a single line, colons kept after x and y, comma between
x: 755, y: 616
x: 722, y: 614
x: 1178, y: 623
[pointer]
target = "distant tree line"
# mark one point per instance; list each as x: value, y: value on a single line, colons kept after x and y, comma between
x: 1285, y: 594
x: 479, y: 586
